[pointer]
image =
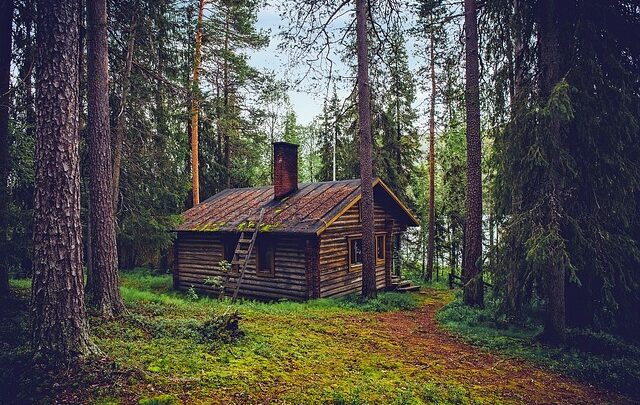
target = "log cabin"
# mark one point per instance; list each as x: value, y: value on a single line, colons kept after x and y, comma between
x: 308, y: 237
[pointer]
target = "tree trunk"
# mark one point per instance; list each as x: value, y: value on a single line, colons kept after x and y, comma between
x: 227, y: 105
x: 118, y: 137
x: 103, y: 293
x: 432, y: 161
x: 518, y: 59
x: 366, y: 170
x: 195, y: 107
x: 59, y: 322
x: 6, y: 21
x: 554, y: 276
x: 472, y: 271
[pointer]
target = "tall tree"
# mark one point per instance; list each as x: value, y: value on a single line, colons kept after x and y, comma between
x: 366, y: 169
x: 472, y: 265
x: 102, y: 291
x: 432, y: 154
x: 549, y: 61
x: 59, y: 322
x: 195, y: 106
x: 6, y: 22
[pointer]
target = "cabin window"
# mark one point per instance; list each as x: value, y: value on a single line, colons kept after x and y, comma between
x: 266, y: 258
x: 355, y: 252
x: 380, y: 248
x: 229, y: 248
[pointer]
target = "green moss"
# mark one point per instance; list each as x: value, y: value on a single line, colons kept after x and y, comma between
x: 268, y: 227
x: 160, y: 400
x: 209, y: 227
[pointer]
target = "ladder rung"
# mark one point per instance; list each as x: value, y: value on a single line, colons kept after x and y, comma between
x: 244, y: 240
x: 241, y: 251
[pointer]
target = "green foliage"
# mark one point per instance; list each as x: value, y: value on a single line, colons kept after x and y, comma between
x: 565, y: 156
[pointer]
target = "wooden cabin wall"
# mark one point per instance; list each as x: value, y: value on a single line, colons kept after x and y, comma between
x: 197, y: 255
x: 335, y: 277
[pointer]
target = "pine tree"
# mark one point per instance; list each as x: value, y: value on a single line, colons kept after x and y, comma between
x: 472, y: 263
x: 102, y: 287
x: 195, y: 95
x: 6, y: 24
x: 59, y: 323
x: 366, y: 170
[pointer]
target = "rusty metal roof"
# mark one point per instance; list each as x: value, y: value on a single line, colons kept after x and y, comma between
x: 309, y: 210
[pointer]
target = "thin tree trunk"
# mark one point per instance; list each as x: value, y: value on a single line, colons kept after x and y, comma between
x: 432, y: 161
x: 103, y: 293
x: 6, y: 21
x: 366, y: 170
x: 118, y: 136
x: 59, y: 322
x: 227, y: 105
x: 518, y: 59
x: 472, y: 271
x: 554, y: 276
x: 195, y: 107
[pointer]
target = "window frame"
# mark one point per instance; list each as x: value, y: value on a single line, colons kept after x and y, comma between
x: 232, y: 242
x: 354, y: 266
x: 259, y: 246
x: 381, y: 260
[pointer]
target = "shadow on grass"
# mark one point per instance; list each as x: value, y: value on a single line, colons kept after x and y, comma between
x: 596, y: 357
x: 22, y: 380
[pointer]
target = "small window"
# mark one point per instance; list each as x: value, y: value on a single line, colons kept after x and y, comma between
x: 266, y: 258
x: 380, y: 248
x: 355, y: 252
x: 229, y: 249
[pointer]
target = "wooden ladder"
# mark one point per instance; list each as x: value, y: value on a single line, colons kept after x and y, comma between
x: 241, y: 255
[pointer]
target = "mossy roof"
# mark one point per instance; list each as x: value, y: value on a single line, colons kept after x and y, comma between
x: 308, y: 210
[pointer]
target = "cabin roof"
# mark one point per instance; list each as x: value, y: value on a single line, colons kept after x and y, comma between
x: 309, y: 210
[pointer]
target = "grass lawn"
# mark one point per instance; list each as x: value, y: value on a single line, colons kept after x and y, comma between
x: 335, y: 351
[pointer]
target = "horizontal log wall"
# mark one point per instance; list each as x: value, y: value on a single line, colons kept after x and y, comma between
x: 199, y: 253
x: 336, y: 279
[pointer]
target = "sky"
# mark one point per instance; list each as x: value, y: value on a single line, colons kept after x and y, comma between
x: 307, y: 104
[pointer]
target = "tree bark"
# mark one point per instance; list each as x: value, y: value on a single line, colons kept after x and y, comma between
x: 554, y: 276
x: 118, y: 137
x: 6, y: 21
x: 103, y: 293
x: 472, y: 271
x: 366, y: 170
x: 195, y: 108
x: 432, y: 161
x: 59, y: 323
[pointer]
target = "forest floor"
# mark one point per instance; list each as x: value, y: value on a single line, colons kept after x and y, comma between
x: 335, y: 351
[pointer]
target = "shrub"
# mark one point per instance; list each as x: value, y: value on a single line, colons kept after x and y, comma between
x: 221, y: 328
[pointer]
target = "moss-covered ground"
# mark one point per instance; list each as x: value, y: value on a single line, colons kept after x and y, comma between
x: 336, y: 351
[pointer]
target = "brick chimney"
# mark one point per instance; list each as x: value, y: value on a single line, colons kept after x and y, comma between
x: 285, y: 169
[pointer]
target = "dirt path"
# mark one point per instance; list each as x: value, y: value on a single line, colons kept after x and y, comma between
x: 420, y: 339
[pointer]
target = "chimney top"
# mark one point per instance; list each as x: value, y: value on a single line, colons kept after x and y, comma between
x: 285, y: 169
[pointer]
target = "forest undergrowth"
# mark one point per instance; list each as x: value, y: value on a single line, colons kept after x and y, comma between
x: 167, y: 349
